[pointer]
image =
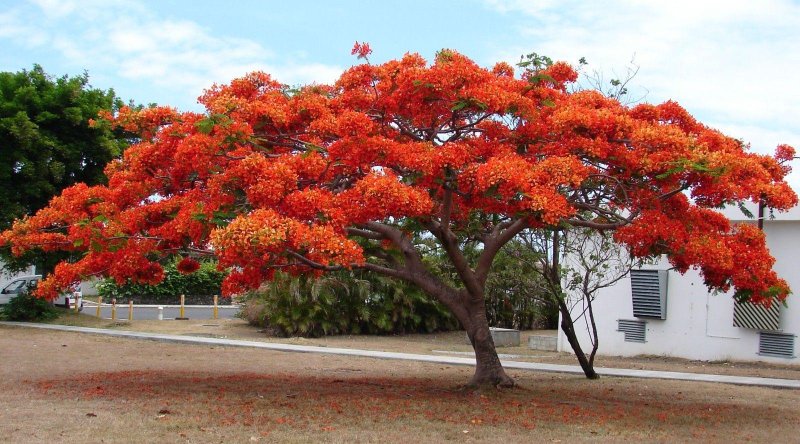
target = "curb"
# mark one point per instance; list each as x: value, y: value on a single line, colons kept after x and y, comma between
x: 531, y: 366
x: 221, y: 307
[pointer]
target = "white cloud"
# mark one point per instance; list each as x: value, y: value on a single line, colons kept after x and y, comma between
x: 732, y: 60
x: 13, y: 26
x: 123, y: 36
x: 56, y: 8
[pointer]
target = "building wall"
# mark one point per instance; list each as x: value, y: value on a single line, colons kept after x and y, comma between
x: 89, y: 287
x: 698, y: 325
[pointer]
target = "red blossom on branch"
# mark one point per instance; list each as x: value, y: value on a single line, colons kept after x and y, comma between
x: 361, y: 49
x: 188, y: 265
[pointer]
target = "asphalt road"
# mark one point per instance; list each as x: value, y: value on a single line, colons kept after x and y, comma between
x: 150, y: 312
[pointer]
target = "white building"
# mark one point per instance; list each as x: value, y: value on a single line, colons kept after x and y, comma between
x: 661, y: 312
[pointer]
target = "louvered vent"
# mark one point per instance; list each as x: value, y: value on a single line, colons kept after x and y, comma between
x: 634, y: 330
x: 649, y: 291
x: 757, y: 317
x: 779, y: 345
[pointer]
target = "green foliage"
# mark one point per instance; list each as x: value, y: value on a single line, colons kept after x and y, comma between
x: 346, y: 302
x: 45, y: 138
x: 206, y: 281
x: 25, y: 307
x: 534, y: 62
x: 515, y: 293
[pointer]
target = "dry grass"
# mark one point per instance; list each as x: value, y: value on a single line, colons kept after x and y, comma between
x: 437, y: 343
x: 67, y: 387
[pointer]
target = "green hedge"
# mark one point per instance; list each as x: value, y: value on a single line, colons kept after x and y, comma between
x: 199, y: 287
x: 515, y: 293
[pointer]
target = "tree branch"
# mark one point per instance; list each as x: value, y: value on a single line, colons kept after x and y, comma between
x: 367, y: 234
x: 450, y: 244
x: 315, y: 265
x: 501, y: 235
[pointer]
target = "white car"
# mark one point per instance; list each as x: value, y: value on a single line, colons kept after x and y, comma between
x: 67, y: 300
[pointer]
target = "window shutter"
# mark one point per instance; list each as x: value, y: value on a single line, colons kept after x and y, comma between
x: 633, y: 329
x: 779, y: 345
x: 649, y: 292
x: 757, y: 317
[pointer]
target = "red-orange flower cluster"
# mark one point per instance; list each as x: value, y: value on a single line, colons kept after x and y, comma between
x: 361, y: 49
x: 188, y: 265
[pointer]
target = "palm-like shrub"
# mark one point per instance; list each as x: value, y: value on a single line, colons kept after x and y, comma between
x: 346, y: 302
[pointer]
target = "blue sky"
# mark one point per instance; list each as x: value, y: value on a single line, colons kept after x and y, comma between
x: 733, y: 64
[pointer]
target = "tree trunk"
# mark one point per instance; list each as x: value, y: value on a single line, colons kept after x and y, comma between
x: 568, y: 327
x: 467, y: 304
x: 553, y: 276
x: 488, y: 370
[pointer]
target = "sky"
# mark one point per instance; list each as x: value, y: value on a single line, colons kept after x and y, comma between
x: 732, y: 64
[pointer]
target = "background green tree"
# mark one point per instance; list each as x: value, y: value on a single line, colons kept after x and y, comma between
x: 48, y: 144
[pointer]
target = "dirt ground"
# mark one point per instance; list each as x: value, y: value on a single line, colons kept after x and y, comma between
x: 445, y: 344
x: 77, y: 388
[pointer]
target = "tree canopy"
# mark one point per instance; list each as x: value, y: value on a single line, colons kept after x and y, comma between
x: 363, y: 173
x: 46, y: 140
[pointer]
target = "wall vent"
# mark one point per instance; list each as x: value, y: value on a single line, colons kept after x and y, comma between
x: 779, y: 345
x: 633, y: 329
x: 649, y: 291
x: 756, y: 316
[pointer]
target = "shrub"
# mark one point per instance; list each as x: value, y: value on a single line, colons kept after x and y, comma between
x: 347, y: 302
x: 25, y: 307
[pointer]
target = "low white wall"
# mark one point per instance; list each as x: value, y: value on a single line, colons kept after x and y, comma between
x: 699, y: 325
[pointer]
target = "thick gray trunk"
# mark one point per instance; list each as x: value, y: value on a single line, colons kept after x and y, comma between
x: 488, y: 369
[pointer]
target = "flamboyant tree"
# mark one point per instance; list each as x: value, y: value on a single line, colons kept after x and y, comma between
x: 368, y: 171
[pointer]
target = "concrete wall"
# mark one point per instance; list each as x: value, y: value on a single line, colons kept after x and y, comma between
x: 89, y: 288
x: 699, y: 325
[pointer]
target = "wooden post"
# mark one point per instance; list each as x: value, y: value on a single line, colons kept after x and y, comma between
x: 114, y: 309
x: 99, y: 303
x: 130, y: 310
x: 182, y: 315
x: 216, y: 309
